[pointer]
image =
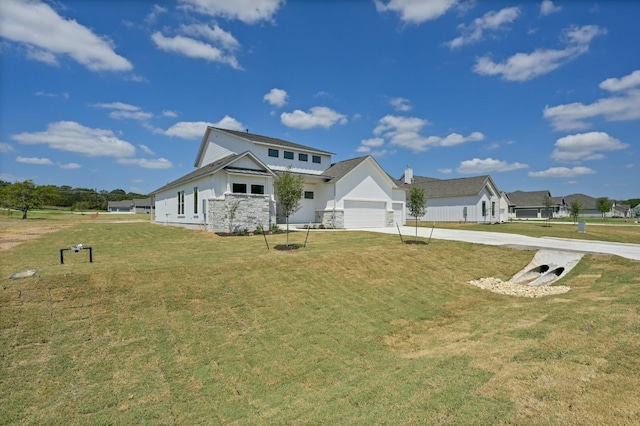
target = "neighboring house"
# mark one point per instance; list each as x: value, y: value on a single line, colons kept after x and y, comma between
x: 232, y: 186
x: 120, y: 206
x: 137, y: 205
x: 473, y: 199
x: 530, y: 205
x: 621, y: 210
x: 588, y: 204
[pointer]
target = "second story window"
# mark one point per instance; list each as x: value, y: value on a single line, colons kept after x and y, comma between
x: 273, y: 152
x: 288, y: 155
x: 316, y: 159
x: 303, y: 157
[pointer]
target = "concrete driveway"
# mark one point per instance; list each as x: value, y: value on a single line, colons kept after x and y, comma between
x: 629, y: 251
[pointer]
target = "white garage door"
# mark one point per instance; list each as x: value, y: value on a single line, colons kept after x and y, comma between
x: 364, y: 214
x: 397, y: 214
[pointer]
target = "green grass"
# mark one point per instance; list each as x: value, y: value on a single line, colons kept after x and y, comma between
x: 172, y: 326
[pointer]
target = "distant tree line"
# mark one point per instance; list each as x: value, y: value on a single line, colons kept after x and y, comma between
x: 25, y: 196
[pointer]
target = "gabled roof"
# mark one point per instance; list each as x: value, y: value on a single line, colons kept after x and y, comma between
x: 340, y: 169
x: 216, y: 166
x: 527, y: 198
x: 587, y: 202
x: 460, y: 187
x: 259, y: 139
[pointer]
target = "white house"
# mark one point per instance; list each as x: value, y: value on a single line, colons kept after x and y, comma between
x: 473, y: 199
x: 232, y: 186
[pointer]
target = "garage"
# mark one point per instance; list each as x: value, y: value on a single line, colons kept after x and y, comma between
x: 398, y: 216
x: 364, y: 214
x: 527, y: 213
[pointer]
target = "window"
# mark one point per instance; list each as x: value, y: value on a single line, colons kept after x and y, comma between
x: 303, y: 157
x: 257, y: 189
x: 239, y: 188
x: 308, y: 195
x: 273, y: 152
x: 180, y: 202
x: 288, y: 155
x: 195, y: 200
x: 316, y: 159
x: 493, y: 208
x: 484, y: 208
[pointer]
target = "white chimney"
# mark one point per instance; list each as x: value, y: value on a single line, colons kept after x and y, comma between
x: 408, y: 175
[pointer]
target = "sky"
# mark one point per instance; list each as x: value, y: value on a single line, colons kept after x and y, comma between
x: 540, y: 95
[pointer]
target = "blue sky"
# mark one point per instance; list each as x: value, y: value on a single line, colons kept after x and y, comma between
x: 117, y: 94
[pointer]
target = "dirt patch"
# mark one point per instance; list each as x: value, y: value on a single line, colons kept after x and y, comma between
x: 14, y: 233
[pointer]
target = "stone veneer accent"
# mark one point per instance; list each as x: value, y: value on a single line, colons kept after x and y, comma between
x: 330, y: 218
x: 252, y: 211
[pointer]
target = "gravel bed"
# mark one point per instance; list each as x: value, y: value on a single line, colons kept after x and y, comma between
x: 496, y: 285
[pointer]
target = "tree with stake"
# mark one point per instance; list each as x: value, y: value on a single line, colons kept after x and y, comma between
x: 416, y: 204
x: 604, y: 205
x: 574, y: 210
x: 288, y: 189
x: 547, y: 202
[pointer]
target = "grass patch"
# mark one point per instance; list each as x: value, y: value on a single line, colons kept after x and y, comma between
x: 175, y: 326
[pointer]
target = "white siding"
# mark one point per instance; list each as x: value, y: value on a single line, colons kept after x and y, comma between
x: 398, y: 214
x: 307, y: 212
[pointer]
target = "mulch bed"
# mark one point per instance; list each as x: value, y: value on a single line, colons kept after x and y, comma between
x: 287, y: 247
x: 421, y: 243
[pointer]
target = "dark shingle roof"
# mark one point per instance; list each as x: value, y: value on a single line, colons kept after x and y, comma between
x: 338, y: 170
x: 443, y: 188
x: 202, y: 171
x: 527, y: 198
x: 272, y: 141
x: 588, y: 203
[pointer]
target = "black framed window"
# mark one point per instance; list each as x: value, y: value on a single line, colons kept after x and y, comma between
x: 180, y: 202
x: 257, y: 189
x: 239, y: 188
x: 308, y: 195
x: 316, y: 159
x: 273, y: 152
x: 195, y: 200
x: 288, y: 155
x: 303, y: 157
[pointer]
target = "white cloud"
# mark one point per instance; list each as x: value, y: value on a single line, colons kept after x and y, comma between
x: 488, y: 165
x: 585, y: 146
x: 400, y: 104
x: 445, y: 171
x: 367, y: 144
x: 247, y: 11
x: 5, y: 148
x: 34, y: 160
x: 526, y: 66
x: 547, y: 8
x: 624, y: 106
x: 153, y: 15
x: 146, y: 150
x: 416, y: 11
x: 493, y: 20
x: 562, y: 172
x: 47, y: 35
x: 215, y: 34
x: 52, y: 95
x: 619, y: 84
x: 167, y: 113
x: 159, y: 163
x: 196, y: 129
x: 193, y: 49
x: 276, y: 97
x: 316, y: 117
x: 405, y: 132
x: 117, y: 105
x: 125, y: 111
x: 69, y: 166
x: 74, y: 137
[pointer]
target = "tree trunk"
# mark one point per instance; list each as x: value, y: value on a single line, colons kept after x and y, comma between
x: 416, y: 229
x: 287, y: 231
x: 24, y: 213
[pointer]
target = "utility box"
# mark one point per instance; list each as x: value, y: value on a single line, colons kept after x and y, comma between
x: 582, y: 226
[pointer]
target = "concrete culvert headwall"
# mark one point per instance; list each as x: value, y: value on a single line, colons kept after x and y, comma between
x: 546, y: 267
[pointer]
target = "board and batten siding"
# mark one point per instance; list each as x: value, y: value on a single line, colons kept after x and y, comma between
x: 453, y: 209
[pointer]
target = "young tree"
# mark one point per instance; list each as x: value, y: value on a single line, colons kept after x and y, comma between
x: 416, y: 204
x: 574, y: 210
x: 288, y: 189
x: 604, y: 205
x: 547, y: 202
x: 25, y: 196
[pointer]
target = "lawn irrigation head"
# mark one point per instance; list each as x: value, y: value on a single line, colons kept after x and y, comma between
x: 76, y: 249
